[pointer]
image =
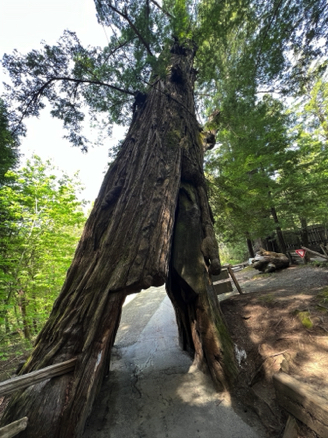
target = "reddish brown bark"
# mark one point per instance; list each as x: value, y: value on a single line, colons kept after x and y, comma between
x: 126, y: 247
x: 200, y: 322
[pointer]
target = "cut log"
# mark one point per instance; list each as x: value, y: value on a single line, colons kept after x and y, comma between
x: 14, y: 428
x: 26, y: 380
x: 315, y: 253
x: 269, y: 261
x: 301, y: 401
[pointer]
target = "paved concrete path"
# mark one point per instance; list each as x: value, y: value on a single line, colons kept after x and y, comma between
x: 153, y: 391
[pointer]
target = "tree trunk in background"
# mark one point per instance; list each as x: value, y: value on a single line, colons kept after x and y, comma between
x: 22, y: 307
x: 250, y: 246
x: 126, y: 247
x: 305, y: 239
x: 304, y: 232
x: 280, y: 236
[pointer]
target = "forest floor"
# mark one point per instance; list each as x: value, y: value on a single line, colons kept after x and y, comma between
x: 281, y: 323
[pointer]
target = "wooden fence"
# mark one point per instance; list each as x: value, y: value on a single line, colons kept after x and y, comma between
x: 21, y: 382
x: 316, y: 235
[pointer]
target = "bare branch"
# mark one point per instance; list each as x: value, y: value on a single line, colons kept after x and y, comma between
x: 120, y: 46
x: 163, y: 10
x: 133, y: 27
x: 36, y: 96
x: 85, y: 81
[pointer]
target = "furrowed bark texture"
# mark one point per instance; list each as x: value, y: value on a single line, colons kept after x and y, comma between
x: 126, y: 247
x: 202, y: 331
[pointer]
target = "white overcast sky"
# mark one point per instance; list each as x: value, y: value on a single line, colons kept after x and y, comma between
x: 23, y: 25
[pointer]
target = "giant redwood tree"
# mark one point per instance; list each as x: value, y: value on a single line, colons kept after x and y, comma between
x: 151, y: 223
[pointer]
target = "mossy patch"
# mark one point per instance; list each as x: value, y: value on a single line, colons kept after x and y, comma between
x: 173, y: 138
x: 323, y: 296
x: 267, y: 299
x: 305, y: 318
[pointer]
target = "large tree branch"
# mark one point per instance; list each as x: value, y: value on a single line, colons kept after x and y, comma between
x: 86, y: 81
x: 38, y: 93
x: 163, y: 10
x: 111, y: 53
x: 133, y: 27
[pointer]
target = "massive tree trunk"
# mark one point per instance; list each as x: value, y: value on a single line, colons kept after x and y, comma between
x: 135, y: 237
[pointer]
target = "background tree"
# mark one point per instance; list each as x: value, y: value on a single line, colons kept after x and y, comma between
x: 253, y: 148
x: 289, y: 147
x: 255, y: 58
x: 304, y: 186
x: 8, y: 160
x: 8, y: 144
x: 41, y: 233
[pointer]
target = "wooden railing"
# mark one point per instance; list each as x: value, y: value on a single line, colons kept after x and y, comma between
x: 21, y: 382
x: 222, y: 283
x: 303, y: 402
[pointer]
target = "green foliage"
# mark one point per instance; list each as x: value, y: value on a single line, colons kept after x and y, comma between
x: 233, y: 253
x: 304, y: 181
x: 246, y: 50
x: 8, y: 145
x: 242, y: 171
x: 242, y: 45
x: 305, y: 319
x: 183, y: 19
x: 268, y: 156
x: 38, y: 237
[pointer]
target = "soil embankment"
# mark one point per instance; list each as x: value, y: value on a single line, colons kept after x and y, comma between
x: 281, y: 323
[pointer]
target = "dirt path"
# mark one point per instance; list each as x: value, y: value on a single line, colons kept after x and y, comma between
x: 281, y: 323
